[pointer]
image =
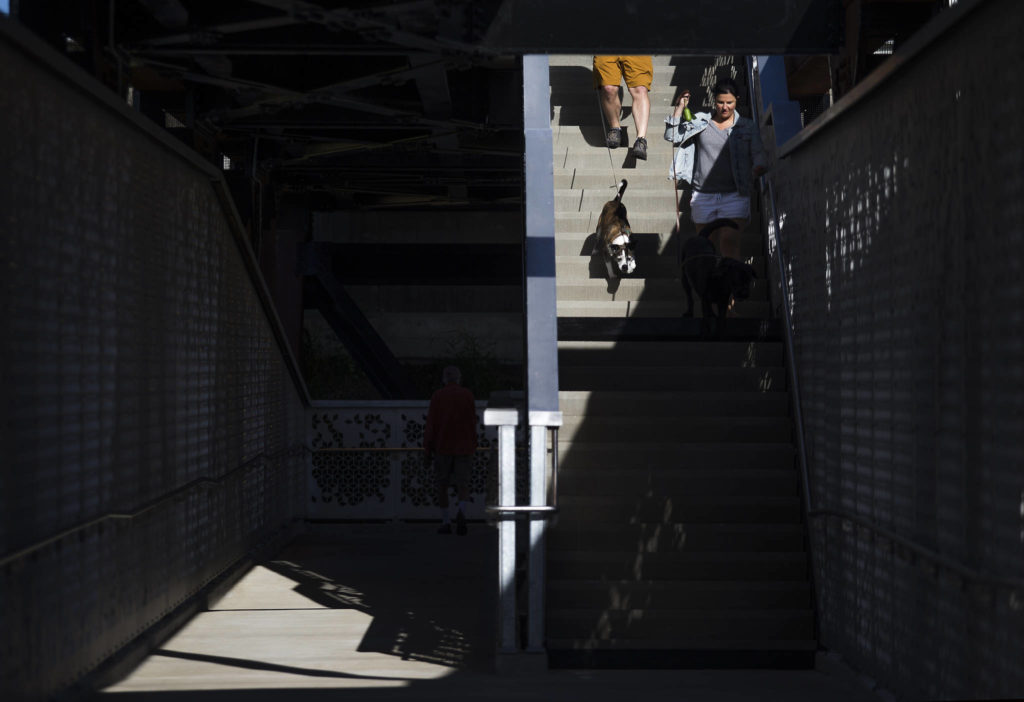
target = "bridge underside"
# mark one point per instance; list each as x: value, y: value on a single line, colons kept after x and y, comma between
x: 383, y: 105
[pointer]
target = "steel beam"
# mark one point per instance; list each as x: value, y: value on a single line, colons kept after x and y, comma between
x: 354, y: 330
x: 666, y: 27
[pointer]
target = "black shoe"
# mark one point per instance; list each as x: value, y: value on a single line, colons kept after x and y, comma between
x: 640, y: 149
x: 460, y: 524
x: 613, y: 138
x: 445, y: 529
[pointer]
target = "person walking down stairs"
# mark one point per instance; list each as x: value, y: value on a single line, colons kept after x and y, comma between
x: 720, y: 154
x: 639, y: 74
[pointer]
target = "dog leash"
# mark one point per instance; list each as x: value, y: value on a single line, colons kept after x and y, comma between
x: 604, y: 126
x: 675, y: 198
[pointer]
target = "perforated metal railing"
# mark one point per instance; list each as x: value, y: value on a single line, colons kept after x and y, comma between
x: 152, y: 431
x: 902, y: 232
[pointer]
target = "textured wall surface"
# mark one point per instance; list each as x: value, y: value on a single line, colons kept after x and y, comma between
x: 903, y: 225
x: 136, y: 358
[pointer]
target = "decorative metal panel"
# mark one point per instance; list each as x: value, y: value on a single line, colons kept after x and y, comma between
x: 367, y: 463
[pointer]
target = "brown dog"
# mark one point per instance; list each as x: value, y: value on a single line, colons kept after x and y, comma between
x: 614, y: 236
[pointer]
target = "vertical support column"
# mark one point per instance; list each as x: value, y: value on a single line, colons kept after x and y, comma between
x: 541, y: 320
x: 539, y: 249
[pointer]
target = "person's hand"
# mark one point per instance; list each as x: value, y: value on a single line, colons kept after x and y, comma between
x: 683, y: 101
x: 759, y: 171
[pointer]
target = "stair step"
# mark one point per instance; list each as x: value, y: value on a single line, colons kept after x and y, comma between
x: 654, y: 329
x: 687, y: 508
x: 598, y: 288
x: 575, y: 267
x: 655, y: 538
x: 700, y: 627
x: 682, y: 653
x: 671, y: 458
x: 687, y: 378
x: 692, y: 566
x: 745, y: 309
x: 643, y: 222
x: 649, y: 244
x: 763, y: 430
x: 575, y: 94
x: 586, y: 139
x: 734, y: 354
x: 603, y: 179
x: 622, y: 159
x: 667, y: 595
x: 631, y: 481
x: 593, y: 199
x: 685, y: 646
x: 599, y: 403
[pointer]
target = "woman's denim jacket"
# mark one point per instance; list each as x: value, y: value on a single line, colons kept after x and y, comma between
x: 745, y: 148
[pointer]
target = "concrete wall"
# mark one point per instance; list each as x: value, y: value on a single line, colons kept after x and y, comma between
x: 903, y: 229
x: 137, y: 360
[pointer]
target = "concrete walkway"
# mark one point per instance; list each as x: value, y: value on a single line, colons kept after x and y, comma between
x: 400, y: 613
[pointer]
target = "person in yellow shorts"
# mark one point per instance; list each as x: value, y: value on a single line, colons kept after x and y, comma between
x: 639, y: 74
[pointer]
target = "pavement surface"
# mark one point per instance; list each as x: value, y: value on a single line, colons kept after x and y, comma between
x: 402, y: 613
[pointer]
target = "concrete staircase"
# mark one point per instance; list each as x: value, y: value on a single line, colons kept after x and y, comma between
x: 680, y: 540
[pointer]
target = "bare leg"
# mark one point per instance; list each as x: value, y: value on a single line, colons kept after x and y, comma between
x: 611, y: 104
x: 641, y: 109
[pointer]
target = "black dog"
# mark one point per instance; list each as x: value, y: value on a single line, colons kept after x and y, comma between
x: 716, y: 279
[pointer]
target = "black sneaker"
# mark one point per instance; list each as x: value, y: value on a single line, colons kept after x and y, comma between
x: 613, y: 138
x: 445, y: 529
x: 640, y: 149
x: 460, y: 524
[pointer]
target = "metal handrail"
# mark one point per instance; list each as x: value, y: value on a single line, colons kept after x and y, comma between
x: 798, y: 418
x: 787, y: 319
x: 363, y: 449
x: 128, y: 515
x: 812, y: 512
x: 794, y: 383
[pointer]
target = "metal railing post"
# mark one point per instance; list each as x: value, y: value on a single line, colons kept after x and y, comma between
x: 540, y: 425
x: 506, y: 420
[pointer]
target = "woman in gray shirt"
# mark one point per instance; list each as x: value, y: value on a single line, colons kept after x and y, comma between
x: 720, y: 154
